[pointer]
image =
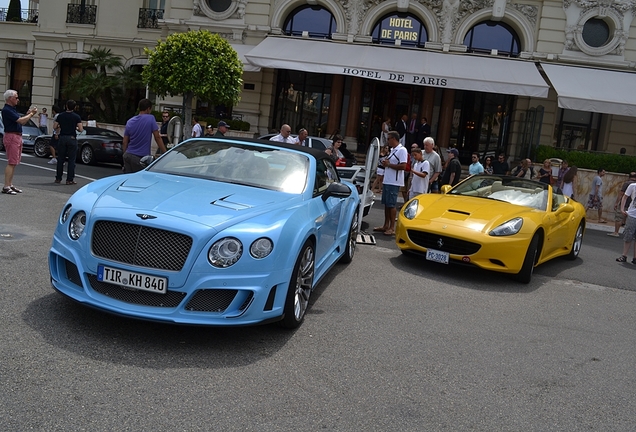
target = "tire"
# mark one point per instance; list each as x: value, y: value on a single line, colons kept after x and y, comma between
x: 41, y: 148
x: 352, y: 240
x: 577, y: 242
x: 300, y: 286
x: 525, y: 275
x: 87, y: 155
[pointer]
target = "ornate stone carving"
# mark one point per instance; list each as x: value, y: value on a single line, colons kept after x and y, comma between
x: 530, y: 12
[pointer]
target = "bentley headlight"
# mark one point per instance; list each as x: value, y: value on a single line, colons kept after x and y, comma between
x: 508, y: 228
x: 261, y: 248
x: 225, y: 252
x: 65, y: 213
x: 411, y: 209
x: 77, y: 225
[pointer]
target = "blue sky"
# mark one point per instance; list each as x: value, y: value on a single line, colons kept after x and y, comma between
x: 4, y: 3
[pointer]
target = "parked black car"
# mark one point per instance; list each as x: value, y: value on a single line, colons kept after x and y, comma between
x: 94, y: 145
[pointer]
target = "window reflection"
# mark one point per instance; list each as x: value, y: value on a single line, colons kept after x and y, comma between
x: 316, y: 20
x: 490, y: 35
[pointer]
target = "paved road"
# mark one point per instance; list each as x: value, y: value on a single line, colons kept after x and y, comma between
x: 389, y: 344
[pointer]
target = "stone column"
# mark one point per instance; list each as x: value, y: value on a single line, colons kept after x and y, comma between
x: 446, y: 118
x: 353, y: 115
x: 335, y: 105
x: 428, y: 103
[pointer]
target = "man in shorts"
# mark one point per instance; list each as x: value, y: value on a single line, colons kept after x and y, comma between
x: 12, y: 140
x: 619, y: 217
x: 629, y: 235
x: 394, y: 165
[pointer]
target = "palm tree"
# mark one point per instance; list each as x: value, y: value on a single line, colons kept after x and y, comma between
x: 109, y: 94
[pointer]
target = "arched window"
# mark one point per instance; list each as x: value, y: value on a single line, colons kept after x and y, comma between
x: 406, y: 28
x: 316, y: 20
x: 489, y: 35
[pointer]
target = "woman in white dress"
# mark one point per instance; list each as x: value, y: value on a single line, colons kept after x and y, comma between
x: 569, y: 182
x: 386, y: 127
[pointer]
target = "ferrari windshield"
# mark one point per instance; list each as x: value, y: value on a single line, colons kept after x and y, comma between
x: 234, y: 162
x: 513, y: 190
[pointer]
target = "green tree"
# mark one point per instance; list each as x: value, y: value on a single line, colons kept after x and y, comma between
x: 14, y: 13
x: 195, y: 63
x: 107, y: 85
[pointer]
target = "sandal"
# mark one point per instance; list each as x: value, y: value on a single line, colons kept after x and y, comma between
x: 71, y: 182
x: 389, y: 233
x: 621, y: 258
x: 15, y: 189
x: 634, y: 261
x: 379, y: 229
x: 7, y: 190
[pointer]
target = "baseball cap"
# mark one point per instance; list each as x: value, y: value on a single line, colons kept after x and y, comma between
x: 454, y: 151
x: 222, y: 123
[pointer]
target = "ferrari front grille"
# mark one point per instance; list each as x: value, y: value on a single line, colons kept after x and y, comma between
x: 443, y: 243
x: 140, y: 245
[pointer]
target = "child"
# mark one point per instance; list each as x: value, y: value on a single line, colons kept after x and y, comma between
x: 419, y: 174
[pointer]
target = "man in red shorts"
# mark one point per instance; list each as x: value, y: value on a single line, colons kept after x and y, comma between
x: 13, y: 137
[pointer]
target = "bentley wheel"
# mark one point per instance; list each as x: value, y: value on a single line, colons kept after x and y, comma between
x: 525, y: 275
x: 352, y: 241
x: 41, y: 148
x: 87, y: 155
x: 576, y: 243
x: 300, y: 287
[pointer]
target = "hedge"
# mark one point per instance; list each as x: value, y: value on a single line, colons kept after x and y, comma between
x: 582, y: 159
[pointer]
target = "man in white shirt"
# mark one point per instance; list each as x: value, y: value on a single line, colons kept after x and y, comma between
x: 419, y: 174
x: 435, y: 161
x: 284, y: 136
x: 629, y: 234
x: 394, y: 165
x: 302, y: 136
x: 197, y: 131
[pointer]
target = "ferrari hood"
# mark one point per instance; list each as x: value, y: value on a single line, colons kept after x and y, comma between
x: 203, y: 201
x: 477, y: 213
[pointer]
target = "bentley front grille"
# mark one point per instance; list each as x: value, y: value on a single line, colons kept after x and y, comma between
x: 129, y: 295
x: 443, y: 243
x: 140, y: 245
x: 211, y: 300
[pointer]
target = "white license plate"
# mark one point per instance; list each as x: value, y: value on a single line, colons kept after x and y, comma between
x: 437, y: 256
x: 130, y: 279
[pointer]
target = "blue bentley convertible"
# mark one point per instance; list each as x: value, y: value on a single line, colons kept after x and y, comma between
x: 218, y: 231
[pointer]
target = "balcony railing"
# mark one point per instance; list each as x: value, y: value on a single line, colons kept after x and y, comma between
x: 81, y: 14
x: 149, y: 18
x: 26, y: 15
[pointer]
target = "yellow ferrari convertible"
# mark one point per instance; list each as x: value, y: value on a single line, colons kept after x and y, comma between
x: 499, y: 223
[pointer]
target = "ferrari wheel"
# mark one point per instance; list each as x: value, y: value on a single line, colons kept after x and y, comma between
x: 525, y: 275
x: 41, y: 148
x: 300, y: 287
x: 87, y: 155
x: 352, y: 241
x: 576, y: 243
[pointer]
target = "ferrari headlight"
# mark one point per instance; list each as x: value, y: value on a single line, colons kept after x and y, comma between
x: 411, y: 209
x: 261, y: 248
x: 225, y: 252
x: 77, y: 225
x: 65, y: 213
x: 508, y: 228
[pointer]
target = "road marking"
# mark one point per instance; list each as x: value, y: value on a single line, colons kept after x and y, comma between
x: 46, y: 168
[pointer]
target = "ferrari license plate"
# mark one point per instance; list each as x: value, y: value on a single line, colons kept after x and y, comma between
x: 130, y: 279
x: 437, y: 256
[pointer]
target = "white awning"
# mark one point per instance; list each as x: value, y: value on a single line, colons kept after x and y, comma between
x: 241, y: 50
x: 593, y: 90
x: 401, y: 65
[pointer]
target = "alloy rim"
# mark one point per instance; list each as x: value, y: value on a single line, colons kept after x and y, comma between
x: 304, y: 282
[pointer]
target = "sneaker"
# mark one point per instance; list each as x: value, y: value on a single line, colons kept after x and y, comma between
x: 612, y: 234
x: 53, y: 161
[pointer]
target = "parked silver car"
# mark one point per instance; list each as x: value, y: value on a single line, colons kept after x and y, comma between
x: 30, y: 131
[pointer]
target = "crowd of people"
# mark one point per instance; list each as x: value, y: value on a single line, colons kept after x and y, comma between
x: 409, y: 160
